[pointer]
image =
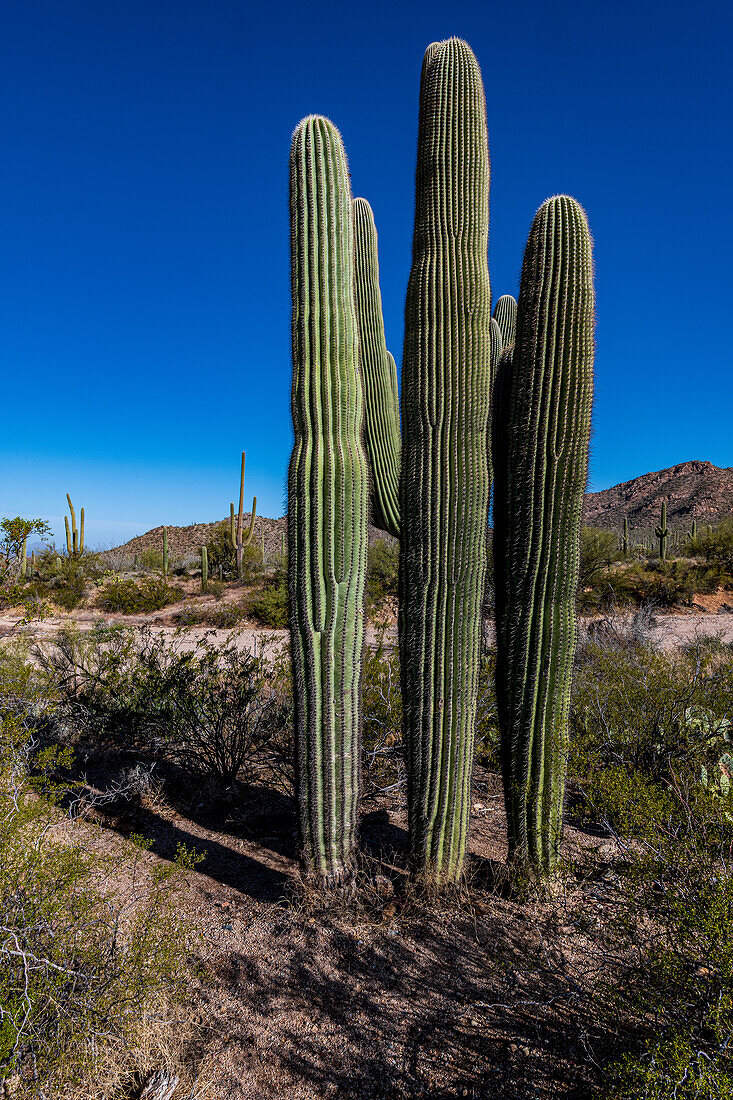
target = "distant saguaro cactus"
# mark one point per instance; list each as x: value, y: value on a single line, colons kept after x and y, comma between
x: 541, y: 429
x: 204, y: 568
x: 165, y: 551
x: 328, y: 497
x: 625, y: 540
x: 74, y: 537
x: 238, y: 539
x: 444, y: 487
x: 662, y: 533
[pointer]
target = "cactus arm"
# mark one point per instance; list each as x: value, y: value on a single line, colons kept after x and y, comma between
x: 379, y: 375
x: 232, y: 527
x: 541, y: 432
x: 204, y: 568
x: 250, y: 533
x: 328, y: 496
x: 81, y: 531
x: 444, y: 487
x: 68, y: 536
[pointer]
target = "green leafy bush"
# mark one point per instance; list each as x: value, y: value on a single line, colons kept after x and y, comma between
x: 89, y: 969
x: 717, y: 547
x: 270, y: 605
x: 129, y: 598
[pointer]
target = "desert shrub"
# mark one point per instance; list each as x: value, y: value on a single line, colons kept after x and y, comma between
x: 151, y: 559
x: 129, y: 598
x: 717, y: 547
x: 225, y: 713
x: 222, y: 618
x: 68, y: 587
x: 381, y: 702
x: 270, y: 605
x: 87, y: 965
x: 382, y: 570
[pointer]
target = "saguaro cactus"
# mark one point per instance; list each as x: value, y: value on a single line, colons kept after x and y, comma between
x: 379, y: 375
x: 74, y: 537
x: 444, y: 487
x: 505, y: 315
x: 165, y: 551
x: 204, y: 568
x: 238, y: 539
x: 328, y: 495
x: 625, y: 540
x: 541, y: 431
x: 24, y: 558
x: 662, y: 533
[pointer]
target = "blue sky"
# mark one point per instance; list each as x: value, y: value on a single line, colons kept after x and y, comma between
x: 144, y: 282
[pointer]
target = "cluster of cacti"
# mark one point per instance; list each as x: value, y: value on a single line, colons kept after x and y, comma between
x: 430, y: 482
x: 74, y: 537
x: 236, y: 533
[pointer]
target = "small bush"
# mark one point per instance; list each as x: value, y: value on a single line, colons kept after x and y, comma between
x: 270, y: 605
x: 86, y: 968
x: 151, y: 560
x: 382, y: 571
x: 222, y: 618
x: 129, y: 598
x: 717, y: 547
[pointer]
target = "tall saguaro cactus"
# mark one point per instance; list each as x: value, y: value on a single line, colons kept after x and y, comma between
x: 662, y: 533
x: 328, y: 495
x: 444, y: 487
x: 541, y: 432
x: 379, y: 374
x: 236, y: 533
x: 74, y: 537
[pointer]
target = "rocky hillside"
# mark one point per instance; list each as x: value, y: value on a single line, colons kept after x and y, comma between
x: 692, y: 490
x: 187, y: 541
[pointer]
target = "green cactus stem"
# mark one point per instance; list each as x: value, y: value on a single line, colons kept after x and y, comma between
x: 328, y: 501
x: 541, y: 429
x: 24, y: 558
x: 444, y: 487
x: 693, y: 533
x: 74, y: 537
x: 662, y: 533
x: 238, y: 539
x: 625, y: 540
x: 505, y: 315
x: 165, y: 551
x: 204, y: 569
x: 379, y: 375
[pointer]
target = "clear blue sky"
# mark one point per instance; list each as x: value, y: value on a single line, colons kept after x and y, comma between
x: 144, y: 273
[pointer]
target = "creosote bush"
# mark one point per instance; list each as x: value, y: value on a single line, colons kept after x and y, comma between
x: 93, y: 952
x: 129, y: 597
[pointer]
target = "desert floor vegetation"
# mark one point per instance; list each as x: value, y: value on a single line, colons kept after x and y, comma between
x: 155, y: 919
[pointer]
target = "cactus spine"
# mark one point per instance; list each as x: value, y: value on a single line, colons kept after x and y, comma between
x: 204, y: 568
x: 379, y: 375
x: 541, y: 433
x: 662, y: 533
x: 165, y: 551
x: 328, y: 496
x: 238, y: 538
x: 444, y: 488
x: 74, y: 537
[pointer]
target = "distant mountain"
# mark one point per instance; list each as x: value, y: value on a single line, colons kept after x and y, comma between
x: 692, y: 490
